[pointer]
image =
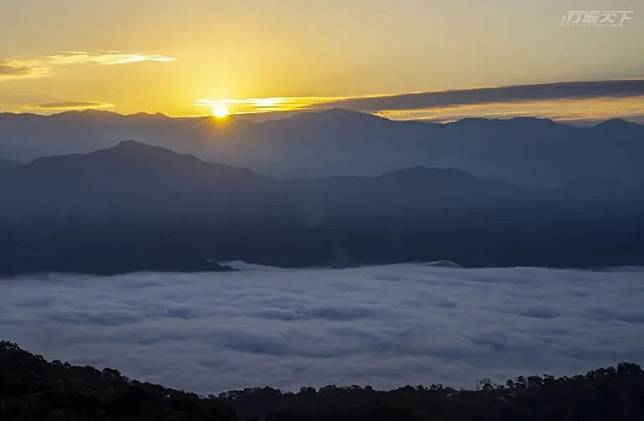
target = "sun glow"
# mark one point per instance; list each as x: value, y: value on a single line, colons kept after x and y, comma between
x: 262, y: 105
x: 220, y: 110
x: 267, y: 102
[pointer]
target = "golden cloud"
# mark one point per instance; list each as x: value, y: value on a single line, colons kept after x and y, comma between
x: 17, y: 70
x: 41, y: 66
x: 266, y: 105
x: 588, y: 101
x: 105, y: 58
x: 579, y: 110
x: 70, y: 105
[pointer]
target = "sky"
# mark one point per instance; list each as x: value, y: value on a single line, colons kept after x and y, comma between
x: 384, y: 326
x: 185, y: 58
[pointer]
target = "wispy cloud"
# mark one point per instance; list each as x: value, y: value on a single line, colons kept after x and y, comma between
x: 105, y: 58
x: 578, y: 101
x: 267, y: 104
x: 20, y: 70
x: 548, y: 91
x: 69, y: 105
x: 42, y: 66
x: 575, y: 110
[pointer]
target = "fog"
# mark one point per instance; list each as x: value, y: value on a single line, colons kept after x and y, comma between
x: 386, y: 326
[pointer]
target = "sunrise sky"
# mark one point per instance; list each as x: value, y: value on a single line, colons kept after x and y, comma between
x: 188, y: 57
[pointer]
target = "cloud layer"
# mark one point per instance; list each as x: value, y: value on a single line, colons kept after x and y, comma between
x: 581, y: 101
x: 14, y: 70
x: 70, y: 105
x: 34, y: 67
x: 386, y: 326
x: 537, y: 92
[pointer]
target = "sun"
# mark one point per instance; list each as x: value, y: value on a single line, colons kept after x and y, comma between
x: 220, y: 110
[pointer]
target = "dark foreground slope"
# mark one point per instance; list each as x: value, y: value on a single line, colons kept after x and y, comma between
x: 33, y: 389
x: 603, y: 394
x: 138, y: 207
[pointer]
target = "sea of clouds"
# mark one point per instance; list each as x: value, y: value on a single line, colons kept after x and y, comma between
x: 385, y: 326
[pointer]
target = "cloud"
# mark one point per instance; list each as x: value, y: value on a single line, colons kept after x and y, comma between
x: 70, y: 105
x: 582, y: 111
x: 582, y: 101
x: 384, y: 325
x: 42, y: 66
x: 538, y: 92
x: 106, y: 58
x: 12, y: 71
x: 16, y: 70
x: 268, y: 105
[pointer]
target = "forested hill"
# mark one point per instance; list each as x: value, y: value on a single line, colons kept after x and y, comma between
x: 138, y: 207
x: 32, y: 389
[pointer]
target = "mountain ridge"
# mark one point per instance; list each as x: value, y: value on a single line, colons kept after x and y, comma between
x: 526, y: 151
x: 138, y: 207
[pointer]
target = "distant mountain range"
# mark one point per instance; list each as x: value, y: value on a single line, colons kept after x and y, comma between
x: 525, y: 151
x: 140, y: 207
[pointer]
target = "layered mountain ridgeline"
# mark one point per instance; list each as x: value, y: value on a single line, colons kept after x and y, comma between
x: 137, y: 207
x: 525, y: 151
x: 33, y: 389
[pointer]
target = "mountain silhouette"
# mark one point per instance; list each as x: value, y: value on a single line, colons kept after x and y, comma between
x: 34, y: 389
x: 141, y: 207
x: 527, y: 151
